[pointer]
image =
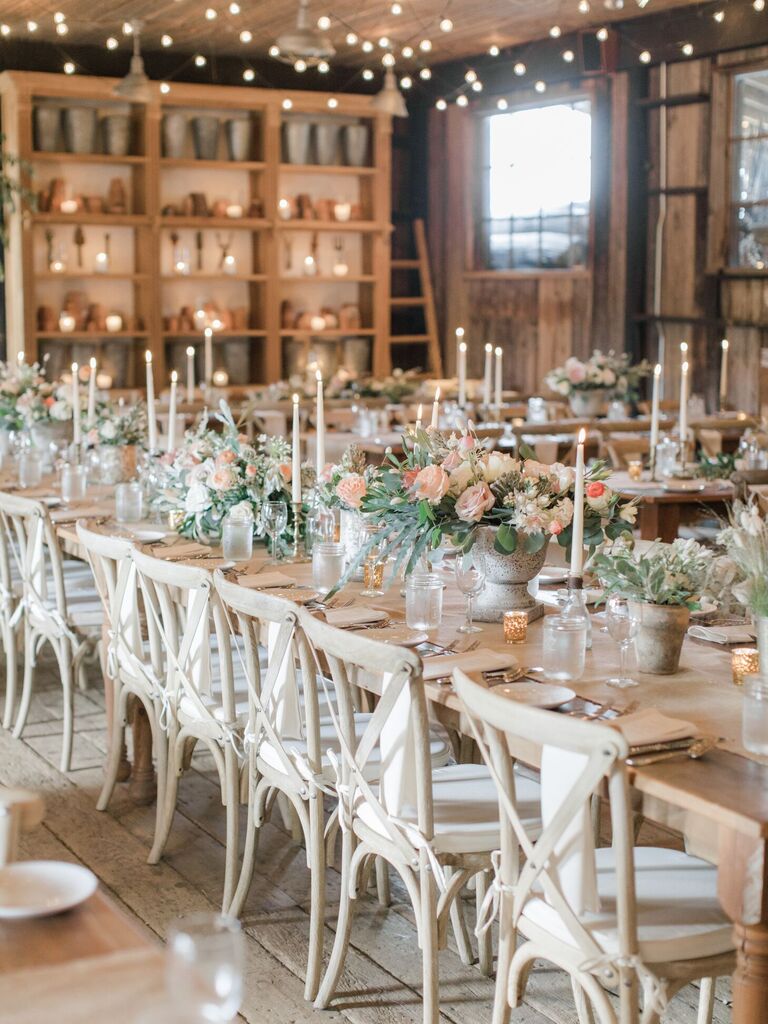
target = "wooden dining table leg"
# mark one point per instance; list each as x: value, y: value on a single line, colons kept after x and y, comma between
x: 743, y: 892
x: 659, y: 521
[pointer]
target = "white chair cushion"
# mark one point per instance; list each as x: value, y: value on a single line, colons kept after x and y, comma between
x: 678, y: 914
x: 466, y: 809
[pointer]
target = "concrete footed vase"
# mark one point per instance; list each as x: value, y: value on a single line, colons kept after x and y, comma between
x: 356, y: 145
x: 80, y: 129
x: 660, y: 634
x: 205, y: 136
x: 239, y: 135
x: 327, y: 143
x: 174, y: 135
x: 116, y: 132
x: 47, y: 129
x: 297, y: 136
x: 506, y: 578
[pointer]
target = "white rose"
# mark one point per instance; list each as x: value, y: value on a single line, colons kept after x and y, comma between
x: 565, y: 475
x: 60, y: 410
x: 497, y: 464
x: 108, y: 430
x: 460, y: 478
x: 198, y: 498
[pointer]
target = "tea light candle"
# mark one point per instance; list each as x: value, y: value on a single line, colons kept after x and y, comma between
x: 190, y: 373
x: 234, y: 211
x: 284, y: 209
x: 68, y: 206
x: 66, y: 323
x: 635, y: 469
x: 101, y: 262
x: 114, y: 323
x: 172, y: 412
x: 317, y: 323
x: 745, y: 661
x: 342, y: 211
x: 515, y: 627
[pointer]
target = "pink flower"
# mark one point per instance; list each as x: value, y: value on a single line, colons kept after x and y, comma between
x: 286, y: 470
x: 409, y: 476
x: 576, y: 373
x: 351, y: 490
x: 467, y: 442
x: 452, y: 461
x: 431, y: 484
x: 225, y: 458
x: 222, y: 479
x: 595, y: 489
x: 474, y: 503
x: 250, y: 472
x: 555, y: 528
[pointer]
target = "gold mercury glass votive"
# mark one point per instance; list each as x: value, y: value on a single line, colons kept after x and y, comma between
x: 175, y: 519
x: 635, y: 469
x: 744, y: 661
x: 373, y: 573
x: 515, y: 627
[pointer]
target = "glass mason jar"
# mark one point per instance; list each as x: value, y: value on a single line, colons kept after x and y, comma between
x: 237, y: 534
x: 129, y: 502
x: 74, y: 481
x: 423, y: 600
x: 327, y: 565
x: 564, y: 648
x: 667, y: 451
x: 30, y: 467
x: 754, y: 721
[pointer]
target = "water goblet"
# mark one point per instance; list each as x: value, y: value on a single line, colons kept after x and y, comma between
x: 204, y: 967
x: 470, y: 580
x: 275, y: 521
x: 622, y: 627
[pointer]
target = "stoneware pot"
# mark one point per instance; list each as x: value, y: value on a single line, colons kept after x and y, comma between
x: 239, y: 133
x: 80, y: 129
x: 506, y: 577
x: 586, y: 403
x: 356, y: 144
x: 174, y: 135
x: 327, y: 143
x: 205, y: 136
x: 47, y: 129
x: 296, y: 139
x: 660, y: 634
x: 116, y: 132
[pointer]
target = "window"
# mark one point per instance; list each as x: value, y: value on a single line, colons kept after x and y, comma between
x: 749, y: 170
x: 537, y: 187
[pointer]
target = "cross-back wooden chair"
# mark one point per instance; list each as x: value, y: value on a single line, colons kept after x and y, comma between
x: 65, y: 613
x: 619, y: 450
x: 437, y: 827
x: 11, y: 622
x: 205, y: 700
x: 652, y: 921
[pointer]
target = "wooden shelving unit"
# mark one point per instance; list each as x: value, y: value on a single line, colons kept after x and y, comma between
x: 141, y: 283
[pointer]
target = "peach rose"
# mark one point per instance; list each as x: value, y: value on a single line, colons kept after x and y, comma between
x: 555, y: 528
x: 452, y: 461
x: 595, y: 490
x: 250, y: 472
x: 286, y: 471
x: 466, y: 442
x: 351, y: 490
x: 409, y: 477
x: 431, y: 484
x: 222, y: 479
x: 225, y: 458
x: 474, y: 503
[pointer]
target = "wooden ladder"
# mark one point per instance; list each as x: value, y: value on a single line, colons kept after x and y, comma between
x: 425, y: 300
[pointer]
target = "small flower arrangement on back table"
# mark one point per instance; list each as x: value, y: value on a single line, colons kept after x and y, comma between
x: 116, y: 424
x: 611, y: 373
x: 19, y: 383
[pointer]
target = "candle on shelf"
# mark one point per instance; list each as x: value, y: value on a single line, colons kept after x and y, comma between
x: 487, y: 375
x: 342, y: 211
x: 515, y: 627
x: 284, y: 209
x: 724, y: 374
x: 92, y: 392
x: 208, y: 357
x: 101, y: 262
x: 317, y: 323
x: 436, y: 410
x: 151, y: 412
x: 683, y: 421
x: 172, y: 412
x: 419, y: 413
x: 320, y: 426
x: 68, y: 206
x: 113, y: 322
x: 234, y: 211
x: 463, y: 374
x: 296, y: 455
x: 497, y: 389
x: 190, y: 373
x: 577, y: 535
x: 76, y: 434
x: 66, y: 323
x: 655, y: 416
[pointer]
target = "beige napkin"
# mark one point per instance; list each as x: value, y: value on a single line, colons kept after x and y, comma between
x: 472, y: 661
x: 651, y: 726
x: 65, y: 514
x: 343, y: 618
x: 185, y: 550
x: 723, y: 634
x: 264, y: 580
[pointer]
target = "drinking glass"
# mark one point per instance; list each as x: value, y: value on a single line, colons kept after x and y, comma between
x: 30, y: 466
x: 129, y: 501
x: 755, y: 714
x: 275, y: 521
x: 565, y: 644
x: 423, y: 600
x: 204, y: 967
x: 622, y: 627
x: 327, y: 565
x: 74, y: 480
x: 470, y: 580
x: 237, y: 535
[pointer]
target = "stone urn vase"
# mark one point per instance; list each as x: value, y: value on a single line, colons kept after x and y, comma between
x: 660, y: 634
x: 586, y: 403
x: 506, y: 578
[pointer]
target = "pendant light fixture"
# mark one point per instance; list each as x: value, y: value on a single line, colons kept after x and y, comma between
x: 303, y: 45
x: 135, y: 87
x: 390, y: 100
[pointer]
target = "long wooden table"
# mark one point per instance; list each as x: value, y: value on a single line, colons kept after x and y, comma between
x: 660, y: 512
x: 728, y: 788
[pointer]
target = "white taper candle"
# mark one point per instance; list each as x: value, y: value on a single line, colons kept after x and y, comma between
x: 92, y: 392
x: 296, y: 452
x: 436, y: 410
x: 724, y: 373
x: 172, y: 412
x: 320, y: 426
x: 190, y: 373
x: 463, y: 374
x: 577, y: 534
x: 151, y: 411
x: 655, y: 414
x: 208, y: 357
x: 497, y: 388
x: 76, y: 432
x: 487, y: 374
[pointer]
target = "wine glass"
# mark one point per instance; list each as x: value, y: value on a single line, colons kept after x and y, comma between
x: 470, y: 580
x: 275, y: 521
x: 204, y: 966
x: 622, y: 627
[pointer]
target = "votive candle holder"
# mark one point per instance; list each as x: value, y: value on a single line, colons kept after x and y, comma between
x: 745, y: 661
x: 635, y: 469
x: 515, y: 627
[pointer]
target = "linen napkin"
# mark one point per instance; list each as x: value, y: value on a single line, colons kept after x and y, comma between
x: 67, y: 514
x: 187, y: 549
x: 471, y: 661
x: 343, y: 618
x: 723, y: 634
x: 265, y: 580
x: 651, y: 726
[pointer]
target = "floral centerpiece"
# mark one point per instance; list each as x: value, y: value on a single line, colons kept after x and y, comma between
x: 745, y: 540
x: 120, y: 433
x: 16, y: 381
x: 345, y: 484
x: 212, y: 472
x: 588, y: 383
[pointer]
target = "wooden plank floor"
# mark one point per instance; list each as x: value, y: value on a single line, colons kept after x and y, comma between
x: 383, y: 976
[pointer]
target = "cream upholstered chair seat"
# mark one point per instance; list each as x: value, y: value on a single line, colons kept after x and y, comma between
x: 465, y: 806
x: 678, y: 913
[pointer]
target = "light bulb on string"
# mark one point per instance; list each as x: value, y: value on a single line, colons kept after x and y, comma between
x: 425, y: 45
x: 287, y: 104
x: 555, y: 31
x: 62, y: 28
x: 367, y: 74
x: 248, y: 75
x: 127, y: 28
x: 406, y: 82
x: 112, y: 43
x: 759, y: 5
x: 59, y: 17
x: 384, y: 42
x: 519, y: 69
x: 645, y: 57
x: 462, y: 101
x: 493, y: 51
x: 441, y: 104
x: 425, y: 74
x: 540, y: 86
x: 351, y: 38
x: 211, y: 14
x: 31, y: 26
x: 584, y: 7
x: 332, y: 103
x: 166, y: 40
x: 324, y: 23
x: 501, y: 104
x: 300, y: 66
x: 568, y: 56
x: 246, y: 36
x: 477, y: 86
x: 274, y: 51
x: 366, y: 46
x: 69, y: 67
x: 165, y: 88
x: 407, y: 52
x: 719, y: 17
x: 234, y: 8
x: 388, y: 60
x: 687, y: 49
x: 200, y: 61
x: 602, y: 34
x: 5, y: 30
x: 446, y: 25
x: 396, y: 9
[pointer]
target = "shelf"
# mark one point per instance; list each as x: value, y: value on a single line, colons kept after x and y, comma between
x: 91, y: 335
x: 214, y: 277
x: 87, y: 158
x: 331, y: 225
x: 242, y: 223
x: 325, y: 169
x: 219, y: 165
x: 49, y: 275
x: 246, y: 332
x: 328, y: 279
x: 81, y: 217
x: 335, y: 333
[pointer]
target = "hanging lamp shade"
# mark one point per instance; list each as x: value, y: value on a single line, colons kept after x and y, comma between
x: 390, y: 99
x: 135, y: 87
x: 304, y: 42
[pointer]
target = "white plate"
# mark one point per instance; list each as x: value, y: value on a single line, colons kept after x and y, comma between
x: 147, y: 536
x: 553, y: 574
x: 536, y: 695
x: 38, y: 888
x: 402, y: 636
x: 684, y: 486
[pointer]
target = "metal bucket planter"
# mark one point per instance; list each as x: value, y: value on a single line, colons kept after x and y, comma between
x: 47, y: 129
x: 356, y: 145
x: 205, y: 136
x: 327, y: 143
x: 356, y: 355
x: 237, y: 360
x: 80, y: 130
x: 116, y: 132
x: 296, y: 139
x: 174, y: 135
x: 239, y: 132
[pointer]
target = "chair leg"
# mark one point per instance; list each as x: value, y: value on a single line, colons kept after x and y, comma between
x: 706, y: 1001
x: 428, y: 941
x: 382, y: 883
x: 484, y: 941
x: 459, y: 926
x: 232, y: 804
x: 26, y: 686
x: 507, y: 944
x: 317, y: 895
x: 64, y: 658
x: 583, y: 1007
x: 163, y: 826
x: 249, y: 853
x: 115, y: 753
x: 160, y: 745
x: 11, y: 674
x: 343, y: 927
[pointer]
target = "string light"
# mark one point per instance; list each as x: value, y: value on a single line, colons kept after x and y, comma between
x: 687, y: 49
x: 477, y: 86
x: 441, y: 104
x: 366, y: 46
x: 367, y: 74
x: 210, y: 14
x: 200, y: 61
x: 384, y: 42
x: 425, y: 74
x: 540, y: 86
x: 759, y: 5
x: 602, y: 34
x: 425, y: 45
x: 351, y: 38
x: 234, y: 8
x: 388, y: 60
x: 396, y: 9
x: 300, y: 66
x: 127, y: 28
x: 323, y: 67
x: 324, y: 22
x: 493, y: 51
x: 446, y: 25
x: 5, y: 30
x: 62, y: 28
x: 519, y: 69
x: 501, y: 104
x: 166, y: 40
x: 274, y: 51
x: 31, y: 26
x: 407, y: 52
x: 645, y: 57
x: 248, y: 75
x: 568, y: 56
x: 59, y: 17
x: 462, y: 101
x: 246, y: 36
x: 69, y: 67
x: 719, y: 17
x: 555, y: 32
x: 584, y: 7
x: 165, y: 88
x: 332, y: 103
x: 112, y: 43
x: 406, y: 82
x: 470, y: 76
x: 287, y: 104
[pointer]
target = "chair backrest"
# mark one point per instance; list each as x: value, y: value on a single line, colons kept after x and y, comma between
x: 399, y: 726
x: 7, y: 578
x: 621, y: 449
x: 592, y: 753
x: 36, y: 555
